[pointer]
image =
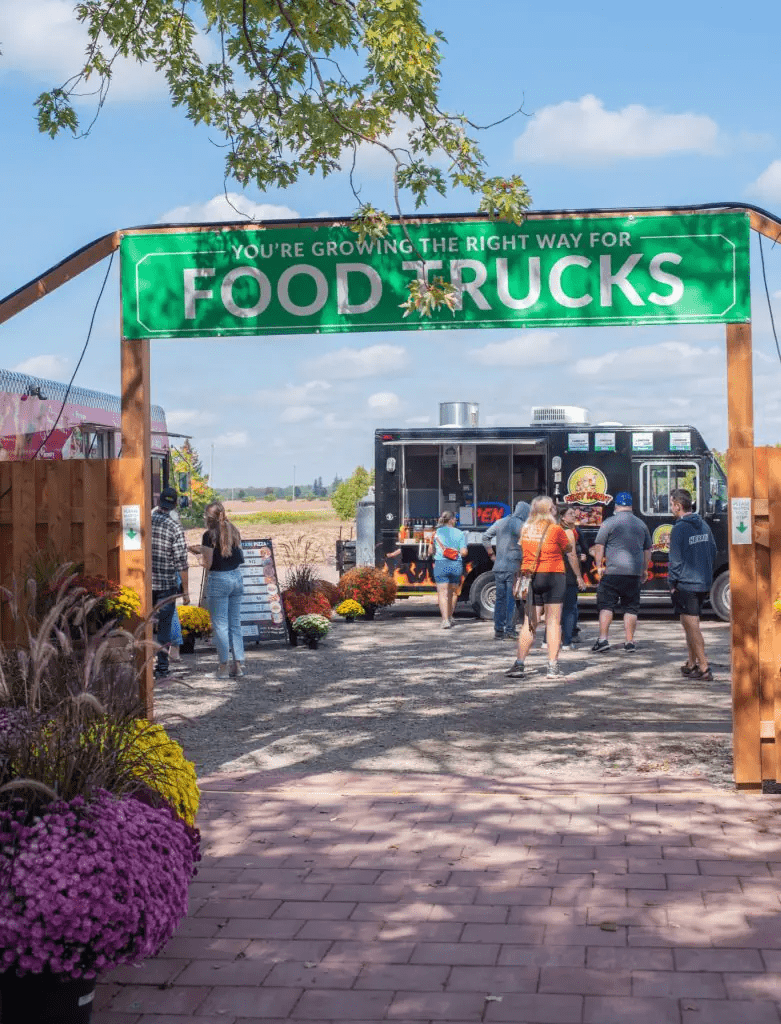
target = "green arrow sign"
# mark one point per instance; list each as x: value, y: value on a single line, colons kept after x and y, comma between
x: 556, y: 272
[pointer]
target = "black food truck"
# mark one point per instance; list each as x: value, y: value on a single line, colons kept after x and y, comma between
x: 479, y: 473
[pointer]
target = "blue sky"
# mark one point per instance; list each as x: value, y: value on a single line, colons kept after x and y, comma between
x: 669, y: 103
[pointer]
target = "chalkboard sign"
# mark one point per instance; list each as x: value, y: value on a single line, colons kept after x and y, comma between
x: 262, y: 614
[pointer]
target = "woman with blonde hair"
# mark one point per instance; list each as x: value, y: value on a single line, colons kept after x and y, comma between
x: 222, y: 557
x: 544, y: 544
x: 449, y: 552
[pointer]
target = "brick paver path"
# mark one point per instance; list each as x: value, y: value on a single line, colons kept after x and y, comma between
x: 366, y: 897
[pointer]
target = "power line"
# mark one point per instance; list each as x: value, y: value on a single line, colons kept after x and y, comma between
x: 767, y: 293
x: 81, y: 357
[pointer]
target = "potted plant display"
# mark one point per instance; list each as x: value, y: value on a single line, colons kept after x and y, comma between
x: 97, y: 811
x: 195, y: 622
x: 370, y: 587
x: 349, y: 610
x: 311, y: 628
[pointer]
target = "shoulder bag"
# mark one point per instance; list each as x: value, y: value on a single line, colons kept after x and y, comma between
x: 451, y: 553
x: 523, y: 581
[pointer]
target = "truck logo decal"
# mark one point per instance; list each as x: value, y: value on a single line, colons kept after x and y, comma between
x: 660, y: 541
x: 587, y: 485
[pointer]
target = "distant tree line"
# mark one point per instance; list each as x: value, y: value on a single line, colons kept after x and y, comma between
x: 317, y: 489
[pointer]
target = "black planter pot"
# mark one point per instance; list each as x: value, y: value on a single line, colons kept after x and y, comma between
x: 369, y: 611
x: 45, y: 999
x: 312, y: 642
x: 187, y: 646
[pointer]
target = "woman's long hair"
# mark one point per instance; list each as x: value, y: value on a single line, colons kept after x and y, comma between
x: 542, y: 512
x: 223, y: 533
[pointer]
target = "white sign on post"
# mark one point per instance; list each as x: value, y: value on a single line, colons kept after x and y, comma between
x: 131, y: 527
x: 740, y: 509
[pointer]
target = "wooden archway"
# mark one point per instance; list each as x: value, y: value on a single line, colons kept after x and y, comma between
x: 753, y: 473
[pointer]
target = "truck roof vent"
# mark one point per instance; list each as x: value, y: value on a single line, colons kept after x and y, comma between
x: 559, y: 415
x: 458, y: 414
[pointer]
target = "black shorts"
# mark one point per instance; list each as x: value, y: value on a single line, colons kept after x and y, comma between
x: 619, y: 593
x: 688, y: 602
x: 548, y: 588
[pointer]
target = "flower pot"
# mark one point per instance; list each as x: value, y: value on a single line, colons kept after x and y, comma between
x: 369, y: 611
x: 120, y: 650
x: 46, y: 999
x: 312, y: 641
x: 187, y: 646
x: 349, y: 618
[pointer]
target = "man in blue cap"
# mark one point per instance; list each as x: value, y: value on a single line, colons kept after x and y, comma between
x: 625, y: 543
x: 507, y: 560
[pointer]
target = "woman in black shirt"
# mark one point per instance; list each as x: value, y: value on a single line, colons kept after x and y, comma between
x: 222, y: 556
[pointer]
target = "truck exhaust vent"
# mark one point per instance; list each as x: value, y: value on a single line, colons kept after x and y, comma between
x: 559, y: 415
x: 458, y: 414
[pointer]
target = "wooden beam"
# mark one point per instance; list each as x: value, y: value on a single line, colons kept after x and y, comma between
x: 774, y: 496
x: 740, y: 388
x: 745, y: 633
x: 765, y: 225
x: 69, y: 268
x: 134, y: 487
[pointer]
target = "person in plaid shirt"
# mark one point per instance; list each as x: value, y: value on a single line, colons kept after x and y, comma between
x: 169, y: 560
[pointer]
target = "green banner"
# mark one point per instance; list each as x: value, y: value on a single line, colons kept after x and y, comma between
x: 552, y: 272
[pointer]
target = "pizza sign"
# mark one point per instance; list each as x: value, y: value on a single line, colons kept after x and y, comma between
x: 587, y: 485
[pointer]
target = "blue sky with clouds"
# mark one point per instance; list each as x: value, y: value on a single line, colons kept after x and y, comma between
x: 625, y: 105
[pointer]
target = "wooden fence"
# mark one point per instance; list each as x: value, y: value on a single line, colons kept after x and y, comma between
x: 71, y: 506
x: 755, y: 573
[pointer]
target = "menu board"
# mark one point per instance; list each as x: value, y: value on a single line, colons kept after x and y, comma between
x: 262, y: 614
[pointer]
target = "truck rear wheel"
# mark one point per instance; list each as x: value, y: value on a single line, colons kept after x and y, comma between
x: 720, y: 597
x: 482, y: 596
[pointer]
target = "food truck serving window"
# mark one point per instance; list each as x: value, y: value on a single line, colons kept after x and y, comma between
x: 659, y: 479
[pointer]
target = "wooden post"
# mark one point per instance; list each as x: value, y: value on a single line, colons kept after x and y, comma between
x: 135, y: 488
x: 743, y: 582
x: 774, y: 547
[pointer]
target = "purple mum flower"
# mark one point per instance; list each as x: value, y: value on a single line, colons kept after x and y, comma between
x: 91, y: 885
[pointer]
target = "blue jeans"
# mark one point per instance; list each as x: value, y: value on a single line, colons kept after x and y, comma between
x: 504, y: 608
x: 164, y: 617
x: 569, y: 614
x: 223, y: 592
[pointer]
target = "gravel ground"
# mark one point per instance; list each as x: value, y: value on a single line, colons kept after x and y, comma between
x: 401, y: 694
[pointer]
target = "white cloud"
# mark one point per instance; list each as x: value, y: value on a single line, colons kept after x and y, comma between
x: 383, y: 401
x: 352, y: 364
x: 644, y: 362
x: 767, y: 186
x: 42, y: 38
x: 49, y: 366
x: 227, y: 208
x: 583, y: 131
x: 232, y: 439
x: 189, y: 419
x: 314, y: 391
x: 298, y: 414
x: 532, y: 348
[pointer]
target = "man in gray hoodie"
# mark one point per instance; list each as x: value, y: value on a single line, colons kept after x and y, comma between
x: 690, y: 574
x: 507, y: 559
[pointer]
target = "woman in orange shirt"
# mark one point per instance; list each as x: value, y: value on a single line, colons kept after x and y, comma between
x: 545, y: 545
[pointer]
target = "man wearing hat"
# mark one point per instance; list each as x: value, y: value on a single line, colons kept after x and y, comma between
x: 169, y: 561
x: 625, y: 543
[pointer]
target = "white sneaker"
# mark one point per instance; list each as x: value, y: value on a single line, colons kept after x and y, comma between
x: 447, y: 623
